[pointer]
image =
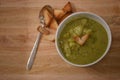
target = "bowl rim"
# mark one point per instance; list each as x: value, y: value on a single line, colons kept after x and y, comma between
x: 108, y: 34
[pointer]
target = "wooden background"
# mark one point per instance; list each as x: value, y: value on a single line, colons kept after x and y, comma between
x: 18, y: 23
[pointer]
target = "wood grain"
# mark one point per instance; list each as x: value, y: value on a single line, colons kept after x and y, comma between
x: 18, y: 23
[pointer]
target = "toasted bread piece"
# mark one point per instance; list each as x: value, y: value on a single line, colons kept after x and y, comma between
x: 53, y: 24
x: 47, y: 17
x: 81, y: 40
x: 61, y: 19
x: 67, y: 7
x: 58, y: 13
x: 52, y: 20
x: 51, y: 36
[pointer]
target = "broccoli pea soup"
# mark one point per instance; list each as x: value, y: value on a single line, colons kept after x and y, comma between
x: 82, y: 41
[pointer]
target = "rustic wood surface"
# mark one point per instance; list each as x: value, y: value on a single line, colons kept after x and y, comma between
x: 18, y: 23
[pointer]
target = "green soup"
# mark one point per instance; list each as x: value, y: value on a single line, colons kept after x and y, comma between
x: 93, y: 48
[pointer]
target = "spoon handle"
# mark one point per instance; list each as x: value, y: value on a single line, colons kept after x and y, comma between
x: 33, y: 52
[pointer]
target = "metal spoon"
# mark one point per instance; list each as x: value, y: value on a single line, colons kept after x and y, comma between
x: 35, y: 47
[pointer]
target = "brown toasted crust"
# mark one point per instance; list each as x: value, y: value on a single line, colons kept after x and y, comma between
x: 47, y: 17
x: 67, y: 7
x: 58, y: 13
x: 53, y: 24
x: 62, y: 18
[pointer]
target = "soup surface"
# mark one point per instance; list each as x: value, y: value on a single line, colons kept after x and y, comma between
x: 93, y: 48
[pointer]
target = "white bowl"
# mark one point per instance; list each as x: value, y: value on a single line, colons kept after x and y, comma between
x: 91, y: 16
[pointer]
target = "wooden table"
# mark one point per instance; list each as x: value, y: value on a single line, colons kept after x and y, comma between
x: 18, y: 23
